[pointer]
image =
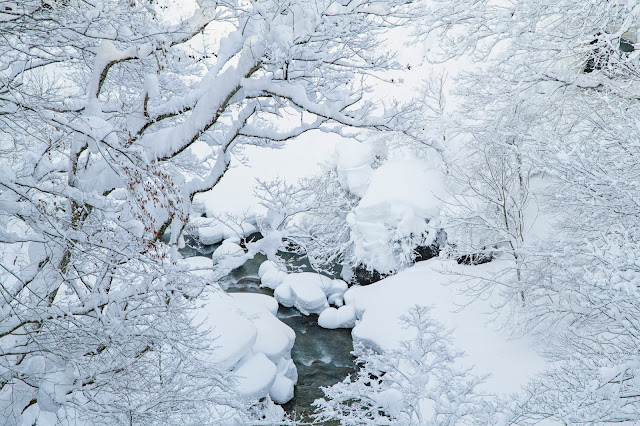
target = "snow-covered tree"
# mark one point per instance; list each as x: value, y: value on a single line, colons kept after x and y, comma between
x: 100, y: 106
x: 311, y: 216
x: 486, y: 214
x: 417, y: 384
x: 561, y: 77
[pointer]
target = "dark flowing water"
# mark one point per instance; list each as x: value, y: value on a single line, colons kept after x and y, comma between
x: 322, y: 357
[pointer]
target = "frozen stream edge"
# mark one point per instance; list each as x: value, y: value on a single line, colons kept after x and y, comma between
x: 322, y: 356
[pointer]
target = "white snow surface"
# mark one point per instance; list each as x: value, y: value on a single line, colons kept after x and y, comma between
x: 342, y: 317
x: 212, y: 231
x: 511, y: 363
x: 228, y: 249
x: 270, y: 275
x: 199, y: 265
x: 256, y: 376
x: 251, y: 342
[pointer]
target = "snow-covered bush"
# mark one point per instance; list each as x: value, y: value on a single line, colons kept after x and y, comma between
x: 417, y: 384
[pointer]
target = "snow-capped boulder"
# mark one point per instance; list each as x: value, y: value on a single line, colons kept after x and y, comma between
x: 343, y: 317
x: 308, y: 292
x: 270, y: 275
x: 281, y: 390
x: 199, y: 265
x: 274, y: 338
x: 212, y: 231
x: 229, y: 248
x: 251, y: 342
x: 256, y: 376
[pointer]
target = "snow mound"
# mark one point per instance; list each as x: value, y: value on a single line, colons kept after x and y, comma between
x: 307, y: 297
x: 254, y: 302
x: 281, y: 390
x: 270, y: 275
x: 200, y: 266
x: 308, y: 292
x: 228, y: 249
x: 229, y: 256
x: 251, y: 342
x: 212, y: 231
x: 273, y: 340
x: 343, y: 317
x: 256, y: 376
x: 402, y: 198
x: 511, y: 363
x: 235, y: 335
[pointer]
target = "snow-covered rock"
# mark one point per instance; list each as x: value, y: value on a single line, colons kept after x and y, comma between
x: 288, y: 369
x: 254, y: 302
x: 282, y: 389
x: 235, y: 335
x: 343, y: 317
x: 307, y: 297
x: 266, y: 266
x: 251, y: 342
x: 229, y: 256
x: 199, y: 265
x: 212, y: 231
x: 256, y: 376
x: 270, y: 275
x: 335, y: 290
x: 308, y: 292
x: 274, y: 338
x: 227, y: 249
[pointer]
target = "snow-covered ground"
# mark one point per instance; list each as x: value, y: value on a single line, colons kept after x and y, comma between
x: 234, y: 195
x: 436, y: 283
x: 395, y: 198
x: 374, y: 312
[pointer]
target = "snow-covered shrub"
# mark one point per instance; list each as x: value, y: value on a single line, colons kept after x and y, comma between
x: 417, y: 384
x: 553, y: 101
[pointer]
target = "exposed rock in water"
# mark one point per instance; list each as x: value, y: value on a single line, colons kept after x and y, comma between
x: 250, y: 239
x: 426, y: 252
x: 364, y: 276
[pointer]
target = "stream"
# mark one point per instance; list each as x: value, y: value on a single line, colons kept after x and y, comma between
x: 322, y: 356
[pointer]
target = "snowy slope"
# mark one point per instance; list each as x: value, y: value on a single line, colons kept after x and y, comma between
x: 510, y: 363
